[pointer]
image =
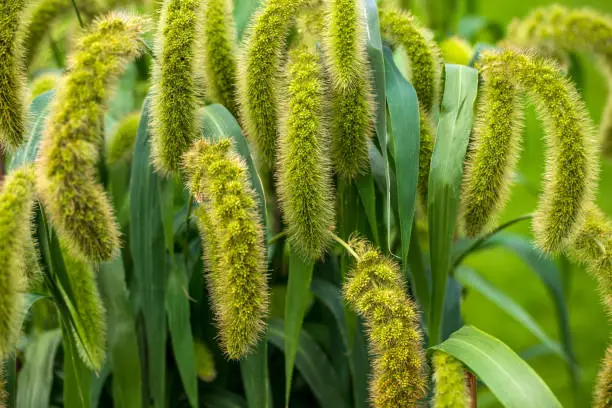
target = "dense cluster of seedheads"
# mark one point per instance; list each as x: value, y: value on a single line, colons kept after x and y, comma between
x: 305, y: 102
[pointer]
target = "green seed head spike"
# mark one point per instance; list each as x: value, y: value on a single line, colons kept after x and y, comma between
x: 376, y: 291
x: 426, y: 146
x: 67, y: 181
x: 571, y: 165
x: 426, y: 66
x: 557, y: 30
x: 174, y: 103
x: 12, y: 77
x: 259, y: 75
x: 220, y: 53
x: 42, y: 84
x: 16, y: 202
x: 451, y: 388
x: 344, y: 43
x: 91, y: 341
x: 120, y: 145
x: 304, y: 173
x: 233, y: 244
x: 603, y: 385
x: 494, y: 151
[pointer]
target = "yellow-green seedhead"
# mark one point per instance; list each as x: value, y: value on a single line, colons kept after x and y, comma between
x: 205, y: 362
x: 120, y: 145
x: 603, y: 385
x: 494, y: 150
x: 76, y: 203
x: 17, y: 197
x: 426, y: 66
x: 220, y: 53
x: 88, y: 305
x: 450, y: 382
x: 556, y: 30
x: 456, y: 50
x: 174, y: 102
x: 233, y: 237
x: 376, y: 291
x: 12, y: 78
x: 344, y: 43
x: 259, y: 75
x: 43, y: 83
x: 571, y: 165
x: 304, y: 173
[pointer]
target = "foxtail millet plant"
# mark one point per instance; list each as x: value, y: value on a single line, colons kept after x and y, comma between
x: 450, y: 382
x: 42, y: 84
x: 571, y: 165
x: 220, y: 54
x: 217, y: 178
x: 174, y: 87
x: 120, y: 143
x: 304, y: 174
x: 12, y: 77
x: 259, y: 71
x: 91, y: 345
x: 76, y: 203
x: 426, y: 68
x: 556, y: 29
x: 376, y: 291
x: 344, y: 41
x: 17, y: 195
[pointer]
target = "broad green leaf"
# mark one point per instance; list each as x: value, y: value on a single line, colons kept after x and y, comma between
x: 367, y: 194
x: 314, y: 366
x: 331, y: 296
x: 122, y: 338
x: 223, y: 399
x: 254, y: 370
x: 149, y: 255
x: 243, y: 13
x: 469, y: 278
x: 419, y: 280
x: 451, y: 319
x: 361, y: 367
x: 38, y: 112
x: 97, y: 384
x: 177, y: 307
x: 512, y: 380
x: 452, y: 136
x: 403, y: 108
x: 298, y: 298
x: 77, y: 377
x: 377, y: 68
x: 36, y: 377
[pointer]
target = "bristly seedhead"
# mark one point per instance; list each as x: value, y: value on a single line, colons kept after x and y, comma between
x: 91, y: 342
x: 233, y: 244
x: 456, y: 50
x: 13, y: 112
x: 120, y: 145
x: 67, y: 181
x: 43, y: 83
x: 426, y: 147
x: 344, y: 44
x: 17, y: 197
x: 571, y: 165
x: 603, y: 385
x: 259, y: 70
x: 174, y: 101
x: 304, y: 173
x: 493, y: 151
x: 220, y: 53
x: 376, y: 291
x: 450, y: 383
x: 557, y: 30
x: 426, y: 65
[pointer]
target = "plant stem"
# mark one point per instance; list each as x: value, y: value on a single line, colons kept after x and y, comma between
x: 78, y: 13
x: 187, y: 218
x: 277, y: 237
x: 477, y: 243
x: 345, y: 245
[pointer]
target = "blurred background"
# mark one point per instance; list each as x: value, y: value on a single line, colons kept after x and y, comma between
x: 588, y: 323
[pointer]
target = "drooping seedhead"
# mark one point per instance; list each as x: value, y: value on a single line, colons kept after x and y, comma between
x: 450, y: 383
x: 67, y: 177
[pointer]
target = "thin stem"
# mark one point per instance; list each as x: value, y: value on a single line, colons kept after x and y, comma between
x: 476, y: 244
x: 187, y: 218
x: 277, y: 237
x: 345, y: 245
x: 78, y: 13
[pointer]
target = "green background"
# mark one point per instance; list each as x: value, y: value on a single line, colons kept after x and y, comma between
x: 588, y: 322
